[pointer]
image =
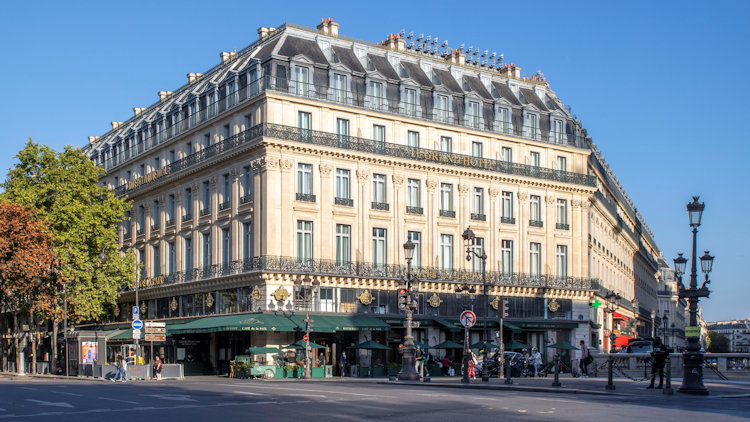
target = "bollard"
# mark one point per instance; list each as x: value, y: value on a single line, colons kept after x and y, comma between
x: 22, y: 367
x: 610, y: 364
x: 507, y: 372
x: 556, y: 382
x: 668, y: 389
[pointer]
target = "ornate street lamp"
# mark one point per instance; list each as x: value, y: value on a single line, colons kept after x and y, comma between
x: 306, y: 289
x: 471, y: 252
x: 692, y: 358
x: 613, y: 301
x: 407, y: 303
x: 664, y: 319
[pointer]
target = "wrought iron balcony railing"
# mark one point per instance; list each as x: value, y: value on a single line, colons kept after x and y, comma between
x: 205, y: 212
x: 448, y: 213
x: 368, y: 270
x: 246, y: 198
x: 363, y: 145
x: 187, y: 216
x: 562, y: 226
x: 170, y: 222
x: 346, y: 202
x: 536, y: 223
x: 140, y: 232
x: 478, y: 217
x: 155, y: 227
x: 383, y: 206
x: 225, y: 205
x: 414, y: 210
x: 305, y: 197
x: 508, y: 220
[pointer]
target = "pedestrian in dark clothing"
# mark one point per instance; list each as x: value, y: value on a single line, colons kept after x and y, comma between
x: 659, y: 354
x: 342, y: 363
x: 446, y: 365
x: 585, y: 360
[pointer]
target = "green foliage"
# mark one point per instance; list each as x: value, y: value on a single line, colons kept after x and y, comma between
x: 62, y: 188
x: 717, y: 343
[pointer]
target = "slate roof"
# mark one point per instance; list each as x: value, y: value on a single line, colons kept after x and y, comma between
x: 415, y: 72
x: 532, y: 98
x: 476, y: 85
x: 294, y: 46
x: 347, y: 58
x: 383, y: 67
x: 446, y: 79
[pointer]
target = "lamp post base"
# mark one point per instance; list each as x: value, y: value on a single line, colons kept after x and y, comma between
x: 692, y: 378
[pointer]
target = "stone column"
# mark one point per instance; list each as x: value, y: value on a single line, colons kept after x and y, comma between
x: 270, y: 225
x: 578, y: 243
x: 494, y: 245
x: 523, y: 223
x: 363, y: 175
x: 327, y: 223
x: 550, y: 222
x: 398, y: 210
x: 430, y: 238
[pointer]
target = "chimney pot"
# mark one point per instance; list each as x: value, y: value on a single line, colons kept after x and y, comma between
x: 163, y: 95
x: 138, y: 110
x: 115, y: 125
x: 262, y: 32
x: 93, y: 139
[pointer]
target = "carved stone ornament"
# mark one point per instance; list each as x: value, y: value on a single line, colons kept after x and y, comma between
x: 235, y: 174
x: 553, y: 305
x: 144, y: 308
x: 434, y: 300
x: 463, y: 188
x: 287, y: 165
x: 281, y: 294
x: 325, y: 169
x: 209, y: 300
x: 272, y: 163
x: 398, y: 180
x: 523, y: 196
x: 549, y: 199
x: 365, y: 298
x: 431, y: 184
x: 173, y: 304
x: 257, y: 294
x: 495, y: 303
x: 575, y: 204
x: 494, y: 192
x: 362, y: 175
x: 214, y: 181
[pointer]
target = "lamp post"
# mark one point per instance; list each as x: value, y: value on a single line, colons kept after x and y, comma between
x: 692, y: 358
x: 65, y: 324
x: 653, y: 323
x: 664, y: 319
x: 103, y: 258
x: 469, y: 242
x: 613, y: 301
x: 308, y: 286
x: 467, y: 293
x: 407, y: 303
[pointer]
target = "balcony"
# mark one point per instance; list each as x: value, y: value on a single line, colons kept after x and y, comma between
x: 414, y: 210
x: 536, y: 223
x: 507, y: 220
x: 562, y: 226
x: 205, y: 212
x: 246, y: 198
x: 170, y: 222
x: 382, y: 206
x: 345, y: 202
x: 305, y: 197
x: 225, y: 205
x: 447, y: 214
x: 478, y: 217
x: 155, y: 227
x: 187, y: 217
x: 140, y: 232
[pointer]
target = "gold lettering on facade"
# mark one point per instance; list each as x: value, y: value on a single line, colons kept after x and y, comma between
x: 150, y: 177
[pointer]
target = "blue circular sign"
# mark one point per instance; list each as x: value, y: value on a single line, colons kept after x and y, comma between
x: 137, y: 324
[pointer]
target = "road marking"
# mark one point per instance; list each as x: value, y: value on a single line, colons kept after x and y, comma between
x: 121, y: 401
x: 66, y: 393
x: 545, y: 412
x: 317, y: 391
x: 49, y: 403
x: 732, y: 396
x: 175, y: 397
x: 29, y: 388
x: 247, y: 392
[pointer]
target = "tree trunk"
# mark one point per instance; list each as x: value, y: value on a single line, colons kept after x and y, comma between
x: 4, y: 345
x: 16, y: 333
x: 53, y: 345
x: 33, y: 336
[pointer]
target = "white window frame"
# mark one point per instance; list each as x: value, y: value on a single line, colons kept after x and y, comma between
x: 446, y: 197
x: 412, y: 139
x: 379, y: 188
x: 304, y: 179
x: 379, y: 247
x: 507, y: 204
x: 561, y: 261
x: 477, y: 149
x: 446, y: 251
x: 416, y: 239
x: 506, y: 254
x: 305, y: 245
x: 343, y: 186
x: 562, y: 211
x: 535, y: 259
x: 535, y: 208
x: 414, y: 193
x: 343, y: 244
x: 446, y: 144
x: 478, y: 201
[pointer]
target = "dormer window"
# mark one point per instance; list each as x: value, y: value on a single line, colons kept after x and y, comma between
x: 338, y: 88
x: 441, y: 108
x: 472, y: 114
x: 410, y: 102
x: 377, y: 95
x: 300, y: 85
x: 503, y: 120
x: 531, y: 129
x: 231, y: 92
x: 557, y: 131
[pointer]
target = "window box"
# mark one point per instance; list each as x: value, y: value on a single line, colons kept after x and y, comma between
x: 478, y: 217
x: 446, y: 213
x: 383, y: 206
x: 414, y: 210
x: 346, y: 202
x: 306, y: 197
x: 507, y: 220
x: 536, y: 223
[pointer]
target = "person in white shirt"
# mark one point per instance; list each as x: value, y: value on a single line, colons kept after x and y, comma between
x: 536, y: 360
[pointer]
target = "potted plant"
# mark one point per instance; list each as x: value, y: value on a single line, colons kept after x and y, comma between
x: 288, y: 370
x: 392, y: 368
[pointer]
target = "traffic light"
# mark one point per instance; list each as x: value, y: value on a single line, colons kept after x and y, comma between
x: 506, y: 311
x: 403, y: 295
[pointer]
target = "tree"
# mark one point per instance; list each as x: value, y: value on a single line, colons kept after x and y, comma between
x: 62, y: 187
x: 27, y: 286
x: 717, y: 343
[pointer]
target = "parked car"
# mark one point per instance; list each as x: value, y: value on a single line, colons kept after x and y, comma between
x: 640, y: 345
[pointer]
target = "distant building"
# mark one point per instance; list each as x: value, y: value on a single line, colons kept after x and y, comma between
x: 737, y: 331
x: 672, y: 316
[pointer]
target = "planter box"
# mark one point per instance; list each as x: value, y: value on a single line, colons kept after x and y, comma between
x: 279, y: 373
x: 319, y: 372
x: 378, y: 371
x: 364, y: 371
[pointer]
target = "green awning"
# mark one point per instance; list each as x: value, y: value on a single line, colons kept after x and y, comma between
x: 547, y: 324
x: 244, y: 322
x: 513, y: 327
x: 122, y: 335
x: 448, y: 324
x: 334, y: 323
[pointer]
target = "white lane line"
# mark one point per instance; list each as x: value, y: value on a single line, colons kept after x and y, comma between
x: 49, y: 403
x: 247, y: 393
x: 118, y: 400
x: 29, y: 388
x: 174, y: 397
x: 317, y: 391
x: 66, y: 393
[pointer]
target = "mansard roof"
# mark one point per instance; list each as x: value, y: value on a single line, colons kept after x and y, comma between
x: 446, y: 80
x: 417, y: 74
x: 381, y: 65
x: 476, y: 85
x: 503, y: 91
x: 533, y: 99
x: 294, y: 46
x: 347, y: 58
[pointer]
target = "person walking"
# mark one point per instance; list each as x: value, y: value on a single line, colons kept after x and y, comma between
x: 583, y: 362
x: 536, y: 360
x: 122, y: 368
x: 473, y: 366
x: 446, y: 365
x: 419, y: 356
x: 342, y: 363
x: 157, y: 368
x: 659, y: 354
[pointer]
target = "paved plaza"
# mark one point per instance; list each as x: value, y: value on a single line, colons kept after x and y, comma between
x: 222, y: 399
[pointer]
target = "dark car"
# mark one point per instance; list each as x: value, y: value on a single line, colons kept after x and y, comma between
x: 640, y: 345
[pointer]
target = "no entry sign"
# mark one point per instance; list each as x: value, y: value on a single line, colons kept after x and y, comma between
x: 468, y: 319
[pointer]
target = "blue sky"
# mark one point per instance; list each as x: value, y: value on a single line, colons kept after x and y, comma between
x: 661, y: 86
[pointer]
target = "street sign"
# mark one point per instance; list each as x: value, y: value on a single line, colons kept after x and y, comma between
x: 468, y: 319
x: 155, y: 324
x: 305, y: 338
x: 692, y: 331
x: 136, y: 334
x: 136, y: 313
x: 155, y: 330
x: 155, y: 337
x: 137, y: 324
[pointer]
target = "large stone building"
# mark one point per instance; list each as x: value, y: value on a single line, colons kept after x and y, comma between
x: 309, y: 156
x: 737, y: 331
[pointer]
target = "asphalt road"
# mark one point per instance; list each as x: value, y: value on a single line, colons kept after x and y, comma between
x: 224, y: 400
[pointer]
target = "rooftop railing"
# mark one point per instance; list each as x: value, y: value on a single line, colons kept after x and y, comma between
x: 147, y: 135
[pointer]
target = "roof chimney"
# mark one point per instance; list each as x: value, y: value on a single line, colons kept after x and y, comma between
x: 192, y: 77
x: 395, y: 42
x: 457, y: 56
x: 511, y: 70
x: 227, y: 56
x: 138, y: 110
x: 262, y: 32
x: 163, y: 95
x: 93, y: 139
x: 328, y: 27
x: 115, y: 125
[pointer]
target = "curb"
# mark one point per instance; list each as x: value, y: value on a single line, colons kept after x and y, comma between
x: 560, y: 390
